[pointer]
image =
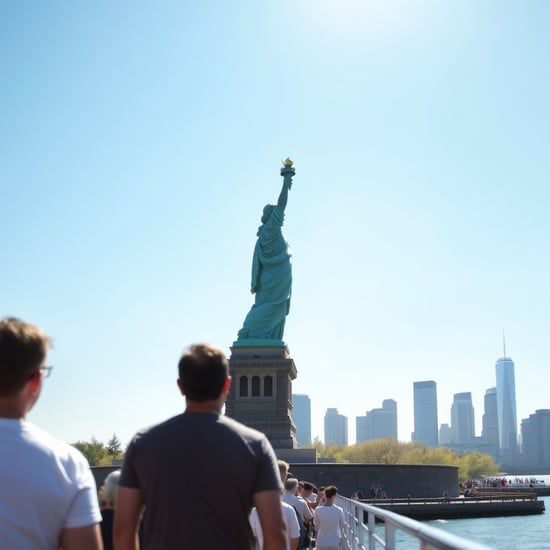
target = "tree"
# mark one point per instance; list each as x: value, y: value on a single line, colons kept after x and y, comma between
x: 93, y: 450
x: 114, y: 447
x: 390, y: 451
x: 474, y: 465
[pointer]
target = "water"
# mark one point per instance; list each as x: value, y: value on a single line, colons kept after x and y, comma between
x: 514, y: 532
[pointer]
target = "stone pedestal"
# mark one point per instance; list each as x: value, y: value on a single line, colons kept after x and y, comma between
x: 261, y: 390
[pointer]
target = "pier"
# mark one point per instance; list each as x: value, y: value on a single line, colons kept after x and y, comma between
x: 494, y: 505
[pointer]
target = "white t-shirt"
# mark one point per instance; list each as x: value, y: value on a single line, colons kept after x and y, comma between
x: 330, y: 523
x: 45, y: 487
x: 300, y: 505
x: 291, y: 519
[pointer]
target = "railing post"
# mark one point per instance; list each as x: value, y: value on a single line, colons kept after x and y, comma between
x: 427, y: 537
x: 390, y: 536
x: 360, y: 520
x: 371, y: 523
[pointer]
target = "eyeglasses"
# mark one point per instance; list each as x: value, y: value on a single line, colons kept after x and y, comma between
x: 46, y: 371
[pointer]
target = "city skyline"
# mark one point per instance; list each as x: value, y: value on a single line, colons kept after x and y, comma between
x: 463, y: 430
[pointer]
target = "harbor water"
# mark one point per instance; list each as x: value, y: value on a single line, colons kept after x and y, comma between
x: 501, y: 533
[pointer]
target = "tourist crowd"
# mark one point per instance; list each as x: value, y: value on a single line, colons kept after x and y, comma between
x: 168, y: 493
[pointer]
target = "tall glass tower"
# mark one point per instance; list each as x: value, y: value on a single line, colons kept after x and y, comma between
x: 377, y: 423
x: 336, y: 428
x: 489, y: 432
x: 506, y: 406
x: 462, y: 418
x: 425, y: 413
x: 301, y: 414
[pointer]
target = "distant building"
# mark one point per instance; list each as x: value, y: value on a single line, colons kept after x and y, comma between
x: 506, y: 406
x: 301, y: 414
x: 336, y: 428
x: 425, y: 413
x: 489, y: 430
x: 535, y: 438
x: 377, y: 423
x: 445, y: 435
x: 462, y: 419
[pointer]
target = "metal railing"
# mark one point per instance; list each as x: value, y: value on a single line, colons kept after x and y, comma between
x: 361, y: 536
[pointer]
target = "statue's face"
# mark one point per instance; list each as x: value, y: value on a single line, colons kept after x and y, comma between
x: 268, y: 208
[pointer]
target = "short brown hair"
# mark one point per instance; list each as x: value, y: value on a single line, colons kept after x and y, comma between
x: 23, y: 349
x: 203, y: 370
x: 331, y: 490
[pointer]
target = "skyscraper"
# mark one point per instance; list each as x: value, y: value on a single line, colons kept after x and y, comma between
x: 301, y: 414
x: 378, y: 423
x: 489, y: 430
x: 336, y: 428
x: 506, y: 406
x: 462, y: 418
x: 425, y: 413
x: 535, y: 439
x: 445, y: 434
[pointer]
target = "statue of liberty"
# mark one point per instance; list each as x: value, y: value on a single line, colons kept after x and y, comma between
x: 271, y: 272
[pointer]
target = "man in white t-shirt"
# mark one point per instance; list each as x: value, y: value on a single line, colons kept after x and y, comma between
x: 290, y: 496
x: 292, y: 526
x: 329, y: 522
x: 48, y: 496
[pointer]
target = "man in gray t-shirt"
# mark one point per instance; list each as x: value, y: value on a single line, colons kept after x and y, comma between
x: 199, y: 474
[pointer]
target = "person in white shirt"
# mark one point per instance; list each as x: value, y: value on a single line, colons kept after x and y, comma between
x: 48, y: 496
x: 308, y: 493
x: 290, y: 515
x: 292, y: 526
x: 291, y: 497
x: 329, y: 522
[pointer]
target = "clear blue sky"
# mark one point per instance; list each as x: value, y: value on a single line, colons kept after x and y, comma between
x: 141, y: 140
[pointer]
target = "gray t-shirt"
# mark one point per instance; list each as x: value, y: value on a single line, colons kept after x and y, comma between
x: 197, y: 473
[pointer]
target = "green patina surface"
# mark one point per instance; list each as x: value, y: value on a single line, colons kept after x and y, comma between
x: 259, y: 342
x: 271, y: 275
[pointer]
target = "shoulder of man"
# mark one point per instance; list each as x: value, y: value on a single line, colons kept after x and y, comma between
x: 64, y: 453
x: 155, y: 431
x: 250, y: 435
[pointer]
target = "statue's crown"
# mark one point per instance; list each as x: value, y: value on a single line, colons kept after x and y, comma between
x: 288, y: 162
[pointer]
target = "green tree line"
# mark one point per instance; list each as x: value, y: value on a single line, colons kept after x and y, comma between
x: 99, y: 454
x: 471, y: 465
x: 380, y: 451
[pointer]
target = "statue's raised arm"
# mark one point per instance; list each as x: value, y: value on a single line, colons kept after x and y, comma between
x: 287, y: 172
x: 271, y: 273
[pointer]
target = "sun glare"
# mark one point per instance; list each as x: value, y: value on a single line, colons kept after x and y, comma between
x: 381, y: 19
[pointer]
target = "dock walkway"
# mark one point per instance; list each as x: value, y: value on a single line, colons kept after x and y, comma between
x: 503, y: 504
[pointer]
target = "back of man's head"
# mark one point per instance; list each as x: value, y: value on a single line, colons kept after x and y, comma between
x: 23, y: 349
x: 283, y: 469
x: 331, y: 491
x: 291, y: 484
x: 203, y: 370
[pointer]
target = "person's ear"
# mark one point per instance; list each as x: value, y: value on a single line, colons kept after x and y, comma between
x: 180, y: 386
x: 226, y: 385
x: 35, y: 382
